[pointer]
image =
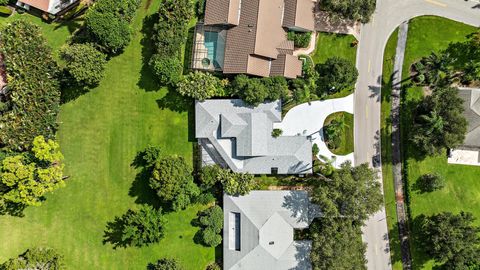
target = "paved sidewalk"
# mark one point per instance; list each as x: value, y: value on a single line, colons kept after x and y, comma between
x: 307, y: 119
x: 396, y: 147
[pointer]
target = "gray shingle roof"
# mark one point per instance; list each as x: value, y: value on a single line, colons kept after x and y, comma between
x: 471, y: 98
x: 267, y: 223
x: 242, y: 137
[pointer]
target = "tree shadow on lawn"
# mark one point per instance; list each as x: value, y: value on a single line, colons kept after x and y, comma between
x: 147, y: 79
x: 419, y: 256
x: 140, y: 187
x: 113, y: 233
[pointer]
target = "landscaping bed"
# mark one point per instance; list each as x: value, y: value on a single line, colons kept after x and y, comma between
x: 345, y: 139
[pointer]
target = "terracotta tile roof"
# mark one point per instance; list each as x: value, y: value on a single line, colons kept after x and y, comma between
x: 40, y: 4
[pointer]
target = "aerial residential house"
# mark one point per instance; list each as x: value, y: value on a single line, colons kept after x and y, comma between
x: 236, y: 136
x: 52, y: 7
x: 259, y: 230
x: 469, y: 152
x: 250, y: 36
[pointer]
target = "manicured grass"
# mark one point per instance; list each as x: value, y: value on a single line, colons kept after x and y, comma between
x: 330, y: 44
x: 462, y: 190
x: 100, y: 133
x: 346, y: 143
x: 386, y: 149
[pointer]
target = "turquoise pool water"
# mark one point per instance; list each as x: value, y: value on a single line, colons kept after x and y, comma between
x: 215, y: 45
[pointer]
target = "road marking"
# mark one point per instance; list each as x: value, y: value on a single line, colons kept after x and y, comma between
x: 369, y: 65
x: 436, y: 3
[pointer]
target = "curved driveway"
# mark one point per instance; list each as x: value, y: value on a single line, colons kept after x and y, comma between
x: 374, y: 35
x: 308, y: 118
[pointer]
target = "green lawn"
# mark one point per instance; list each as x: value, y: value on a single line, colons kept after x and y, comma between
x: 346, y: 143
x: 462, y: 190
x: 330, y: 44
x: 100, y: 134
x: 386, y: 141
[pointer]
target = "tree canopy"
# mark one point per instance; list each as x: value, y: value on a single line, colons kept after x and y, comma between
x: 358, y: 10
x: 335, y: 75
x: 336, y: 244
x: 36, y: 258
x: 172, y: 179
x: 143, y: 227
x: 256, y: 90
x: 439, y: 121
x: 211, y: 221
x: 34, y: 94
x: 452, y: 240
x: 84, y: 63
x: 352, y: 192
x: 26, y: 178
x: 108, y: 24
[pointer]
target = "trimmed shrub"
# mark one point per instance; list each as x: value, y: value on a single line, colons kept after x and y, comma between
x: 167, y: 69
x: 300, y: 39
x: 84, y: 63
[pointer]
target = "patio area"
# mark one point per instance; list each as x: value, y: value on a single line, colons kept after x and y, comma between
x: 307, y: 119
x: 208, y: 47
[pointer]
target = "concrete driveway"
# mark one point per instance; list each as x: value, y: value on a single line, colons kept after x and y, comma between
x: 307, y: 119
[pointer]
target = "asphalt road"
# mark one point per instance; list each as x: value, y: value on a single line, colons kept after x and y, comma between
x: 374, y: 35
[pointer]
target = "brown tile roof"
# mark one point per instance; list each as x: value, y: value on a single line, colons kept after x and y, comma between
x: 222, y: 12
x: 286, y: 65
x: 40, y: 4
x: 258, y: 39
x: 299, y: 14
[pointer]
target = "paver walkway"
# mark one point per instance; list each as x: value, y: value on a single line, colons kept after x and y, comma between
x: 307, y: 119
x: 396, y: 147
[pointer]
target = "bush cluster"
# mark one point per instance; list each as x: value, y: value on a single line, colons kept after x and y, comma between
x: 201, y: 85
x: 170, y: 33
x: 300, y: 39
x: 211, y: 221
x: 107, y: 24
x: 34, y: 95
x: 256, y: 90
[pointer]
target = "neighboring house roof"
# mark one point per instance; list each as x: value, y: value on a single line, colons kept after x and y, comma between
x: 242, y: 137
x: 259, y: 228
x: 50, y: 6
x: 471, y: 97
x: 257, y: 37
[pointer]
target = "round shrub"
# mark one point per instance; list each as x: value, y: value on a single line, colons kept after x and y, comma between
x: 211, y: 238
x: 84, y: 63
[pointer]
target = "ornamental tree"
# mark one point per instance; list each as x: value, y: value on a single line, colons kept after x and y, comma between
x: 237, y: 183
x: 108, y: 31
x: 27, y: 179
x: 357, y: 10
x: 200, y: 85
x: 84, y: 63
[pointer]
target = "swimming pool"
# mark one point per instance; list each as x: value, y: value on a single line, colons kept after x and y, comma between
x: 215, y: 45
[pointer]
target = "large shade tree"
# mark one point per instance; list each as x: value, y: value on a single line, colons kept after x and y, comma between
x: 172, y: 179
x: 439, y: 122
x: 335, y: 75
x: 452, y: 239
